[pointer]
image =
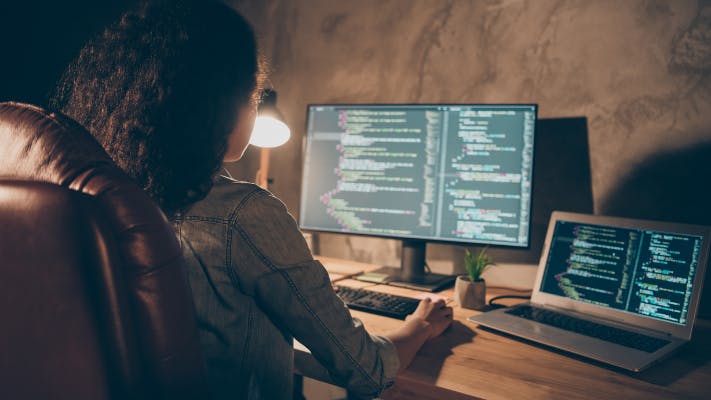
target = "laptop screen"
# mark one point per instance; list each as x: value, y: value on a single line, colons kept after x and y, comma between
x: 645, y: 272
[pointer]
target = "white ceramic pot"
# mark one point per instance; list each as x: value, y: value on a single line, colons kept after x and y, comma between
x: 471, y: 295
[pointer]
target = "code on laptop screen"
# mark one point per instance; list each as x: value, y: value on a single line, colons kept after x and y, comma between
x: 639, y: 271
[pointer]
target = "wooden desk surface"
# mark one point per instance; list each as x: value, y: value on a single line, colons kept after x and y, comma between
x: 471, y: 362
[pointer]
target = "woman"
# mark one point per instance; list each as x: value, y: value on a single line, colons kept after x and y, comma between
x: 169, y: 92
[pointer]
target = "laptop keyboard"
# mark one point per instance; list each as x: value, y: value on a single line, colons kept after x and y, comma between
x: 377, y: 303
x: 610, y: 334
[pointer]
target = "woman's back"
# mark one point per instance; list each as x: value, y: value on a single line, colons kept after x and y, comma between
x: 263, y: 288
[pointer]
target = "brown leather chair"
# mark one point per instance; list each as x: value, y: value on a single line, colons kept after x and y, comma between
x: 94, y: 302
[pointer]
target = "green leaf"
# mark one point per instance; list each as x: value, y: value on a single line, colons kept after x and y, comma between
x: 476, y: 265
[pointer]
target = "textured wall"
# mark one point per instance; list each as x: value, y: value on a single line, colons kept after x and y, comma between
x: 638, y: 70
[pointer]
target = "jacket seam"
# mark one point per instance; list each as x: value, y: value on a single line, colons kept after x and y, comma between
x: 232, y: 217
x: 248, y: 339
x: 201, y: 218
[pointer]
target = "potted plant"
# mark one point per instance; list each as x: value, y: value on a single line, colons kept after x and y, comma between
x: 470, y: 289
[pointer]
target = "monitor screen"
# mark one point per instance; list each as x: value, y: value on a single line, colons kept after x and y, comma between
x: 449, y: 173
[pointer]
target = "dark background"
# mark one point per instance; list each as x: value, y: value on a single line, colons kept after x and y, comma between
x: 39, y: 38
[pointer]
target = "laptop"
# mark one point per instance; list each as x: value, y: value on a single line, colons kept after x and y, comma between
x: 621, y: 291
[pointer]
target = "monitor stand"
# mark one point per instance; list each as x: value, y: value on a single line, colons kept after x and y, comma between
x: 411, y: 273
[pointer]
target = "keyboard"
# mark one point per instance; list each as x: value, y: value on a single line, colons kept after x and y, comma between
x: 377, y: 303
x: 611, y: 334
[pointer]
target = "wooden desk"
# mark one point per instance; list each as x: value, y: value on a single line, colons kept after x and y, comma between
x: 469, y: 362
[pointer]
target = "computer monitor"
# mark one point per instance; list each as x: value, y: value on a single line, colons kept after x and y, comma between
x: 561, y: 183
x: 452, y: 173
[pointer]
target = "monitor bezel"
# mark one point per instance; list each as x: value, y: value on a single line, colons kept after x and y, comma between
x: 305, y: 138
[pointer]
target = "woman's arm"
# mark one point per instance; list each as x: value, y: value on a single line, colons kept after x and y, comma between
x: 293, y: 289
x: 429, y: 320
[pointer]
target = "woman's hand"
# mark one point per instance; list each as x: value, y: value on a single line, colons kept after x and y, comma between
x: 436, y: 314
x: 428, y: 321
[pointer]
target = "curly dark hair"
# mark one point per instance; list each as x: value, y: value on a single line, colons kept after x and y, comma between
x: 160, y: 90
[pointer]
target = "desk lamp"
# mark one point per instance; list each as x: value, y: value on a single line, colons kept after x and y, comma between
x: 269, y: 131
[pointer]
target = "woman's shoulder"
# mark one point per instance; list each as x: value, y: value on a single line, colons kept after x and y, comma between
x: 227, y: 197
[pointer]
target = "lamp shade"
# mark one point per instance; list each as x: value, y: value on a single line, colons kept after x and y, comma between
x: 269, y: 132
x: 269, y: 127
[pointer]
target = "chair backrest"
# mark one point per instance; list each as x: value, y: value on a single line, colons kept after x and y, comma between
x: 93, y: 293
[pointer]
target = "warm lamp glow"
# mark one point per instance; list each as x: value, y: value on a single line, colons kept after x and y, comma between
x: 269, y: 132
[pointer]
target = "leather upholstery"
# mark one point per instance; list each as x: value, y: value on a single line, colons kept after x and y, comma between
x: 92, y: 285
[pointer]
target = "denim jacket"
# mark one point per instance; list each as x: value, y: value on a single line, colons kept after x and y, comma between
x: 255, y: 287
